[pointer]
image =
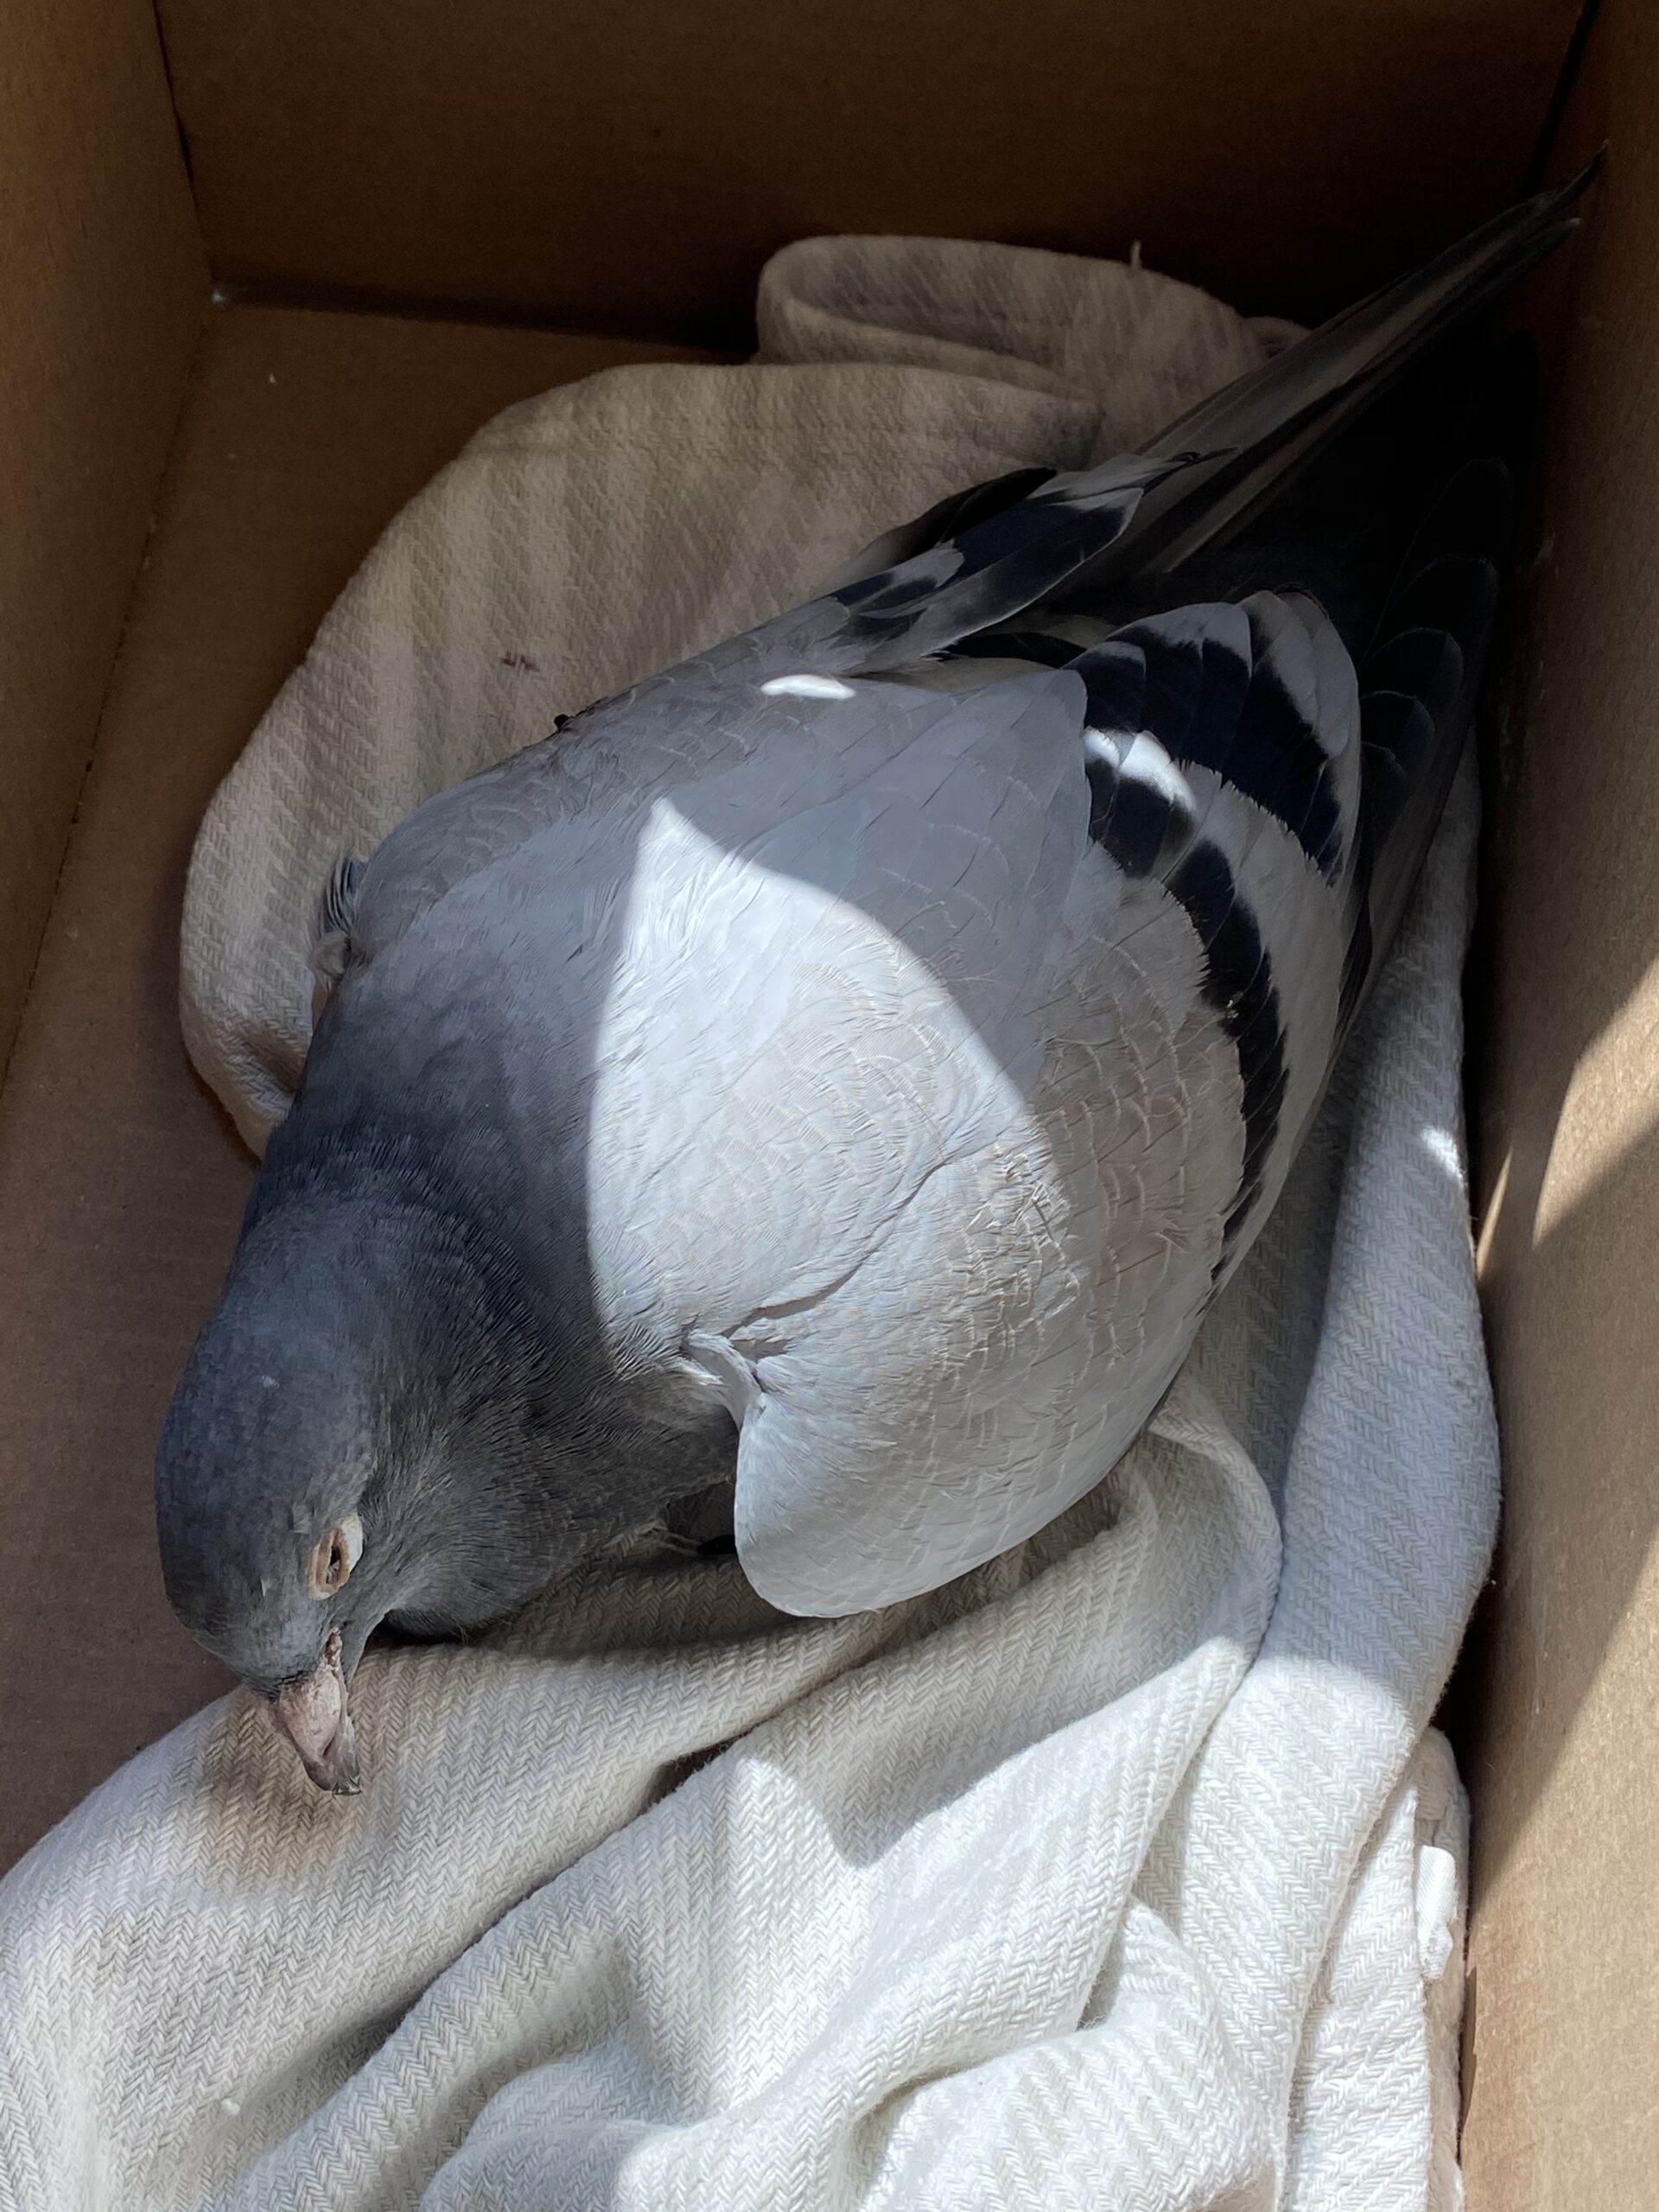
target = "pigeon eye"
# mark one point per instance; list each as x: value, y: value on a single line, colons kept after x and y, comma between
x: 332, y: 1559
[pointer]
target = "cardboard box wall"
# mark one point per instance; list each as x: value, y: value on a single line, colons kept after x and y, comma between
x: 407, y: 208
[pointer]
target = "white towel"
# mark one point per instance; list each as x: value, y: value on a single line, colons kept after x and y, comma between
x: 1121, y: 1872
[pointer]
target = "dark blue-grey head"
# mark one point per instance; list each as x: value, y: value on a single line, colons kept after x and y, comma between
x: 265, y: 1466
x: 353, y: 1440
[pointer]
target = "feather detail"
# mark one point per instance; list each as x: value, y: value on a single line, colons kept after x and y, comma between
x: 331, y: 943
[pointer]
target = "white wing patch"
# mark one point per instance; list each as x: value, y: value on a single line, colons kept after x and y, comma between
x: 1142, y: 760
x: 807, y: 687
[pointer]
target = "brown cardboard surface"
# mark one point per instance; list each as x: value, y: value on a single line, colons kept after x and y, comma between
x: 120, y: 1184
x: 103, y: 282
x: 1558, y: 1721
x: 634, y: 164
x: 627, y: 163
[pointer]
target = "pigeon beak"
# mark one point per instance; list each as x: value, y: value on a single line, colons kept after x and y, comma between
x: 312, y: 1714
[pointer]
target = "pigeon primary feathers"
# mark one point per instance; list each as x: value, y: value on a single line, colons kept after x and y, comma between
x: 854, y: 1059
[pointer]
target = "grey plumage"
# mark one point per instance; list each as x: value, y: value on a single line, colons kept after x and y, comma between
x: 855, y: 1058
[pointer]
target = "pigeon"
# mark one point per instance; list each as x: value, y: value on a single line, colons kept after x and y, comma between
x: 848, y: 1065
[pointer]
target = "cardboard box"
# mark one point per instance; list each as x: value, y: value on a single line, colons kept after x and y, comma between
x: 409, y: 214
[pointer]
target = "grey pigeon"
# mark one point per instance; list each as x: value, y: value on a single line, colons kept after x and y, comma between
x: 853, y: 1060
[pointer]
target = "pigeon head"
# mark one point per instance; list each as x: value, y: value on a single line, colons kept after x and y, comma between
x: 271, y: 1493
x: 351, y: 1441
